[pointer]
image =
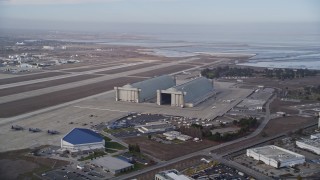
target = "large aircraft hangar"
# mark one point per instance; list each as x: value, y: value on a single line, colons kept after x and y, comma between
x: 144, y: 90
x: 188, y: 94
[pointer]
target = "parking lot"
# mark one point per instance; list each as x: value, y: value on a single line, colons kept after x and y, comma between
x: 136, y: 119
x: 71, y: 172
x: 220, y: 172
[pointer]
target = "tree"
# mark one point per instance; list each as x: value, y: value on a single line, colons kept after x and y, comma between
x: 137, y: 148
x: 299, y: 177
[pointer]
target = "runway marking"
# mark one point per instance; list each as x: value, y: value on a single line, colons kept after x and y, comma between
x: 100, y: 109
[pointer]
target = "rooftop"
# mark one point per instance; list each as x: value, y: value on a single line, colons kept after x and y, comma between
x: 276, y: 153
x: 156, y: 126
x: 82, y: 136
x: 112, y: 163
x: 174, y: 175
x: 315, y: 136
x: 311, y: 142
x: 192, y: 90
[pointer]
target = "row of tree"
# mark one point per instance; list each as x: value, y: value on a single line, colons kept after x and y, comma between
x: 134, y: 148
x: 195, y: 130
x: 289, y: 73
x: 245, y: 124
x: 226, y: 71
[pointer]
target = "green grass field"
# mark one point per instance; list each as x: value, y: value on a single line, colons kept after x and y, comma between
x: 114, y: 145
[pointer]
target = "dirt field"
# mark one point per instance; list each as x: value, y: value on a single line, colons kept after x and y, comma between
x: 11, y: 169
x: 274, y: 127
x: 181, y: 165
x: 29, y: 77
x: 278, y: 105
x: 17, y: 165
x: 162, y: 71
x: 22, y: 106
x: 92, y: 68
x: 129, y: 68
x: 40, y: 85
x: 168, y: 151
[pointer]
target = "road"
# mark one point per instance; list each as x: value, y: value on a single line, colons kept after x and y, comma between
x: 208, y: 151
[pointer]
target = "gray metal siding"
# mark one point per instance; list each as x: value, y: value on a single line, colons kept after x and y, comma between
x: 149, y: 87
x: 195, y: 89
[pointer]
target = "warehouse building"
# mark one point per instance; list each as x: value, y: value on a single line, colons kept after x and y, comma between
x: 144, y: 90
x: 80, y: 139
x: 113, y: 165
x: 171, y: 175
x: 154, y: 127
x: 312, y: 144
x: 276, y: 156
x: 188, y: 94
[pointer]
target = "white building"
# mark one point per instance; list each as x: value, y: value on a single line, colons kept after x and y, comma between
x: 171, y: 135
x: 315, y: 136
x: 144, y: 90
x: 184, y: 137
x: 188, y: 94
x: 80, y: 139
x: 48, y: 47
x: 155, y: 127
x: 113, y: 165
x: 171, y: 175
x: 312, y: 144
x: 276, y: 156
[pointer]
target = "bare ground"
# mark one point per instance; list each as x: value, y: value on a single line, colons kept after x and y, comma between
x: 18, y: 165
x: 168, y: 151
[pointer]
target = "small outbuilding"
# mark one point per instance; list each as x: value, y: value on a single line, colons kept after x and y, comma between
x: 113, y: 165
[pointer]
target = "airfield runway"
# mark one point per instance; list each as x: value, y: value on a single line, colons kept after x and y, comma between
x: 164, y: 70
x: 69, y: 100
x: 34, y: 92
x: 29, y: 77
x: 40, y: 85
x: 129, y: 68
x: 91, y: 68
x: 22, y: 106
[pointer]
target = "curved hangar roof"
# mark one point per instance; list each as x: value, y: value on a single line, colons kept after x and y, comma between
x: 160, y: 81
x: 149, y: 87
x: 194, y: 89
x: 82, y: 136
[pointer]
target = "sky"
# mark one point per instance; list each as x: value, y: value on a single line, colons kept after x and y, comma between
x: 36, y: 13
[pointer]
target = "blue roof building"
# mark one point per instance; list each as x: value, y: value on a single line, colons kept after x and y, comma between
x: 81, y: 139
